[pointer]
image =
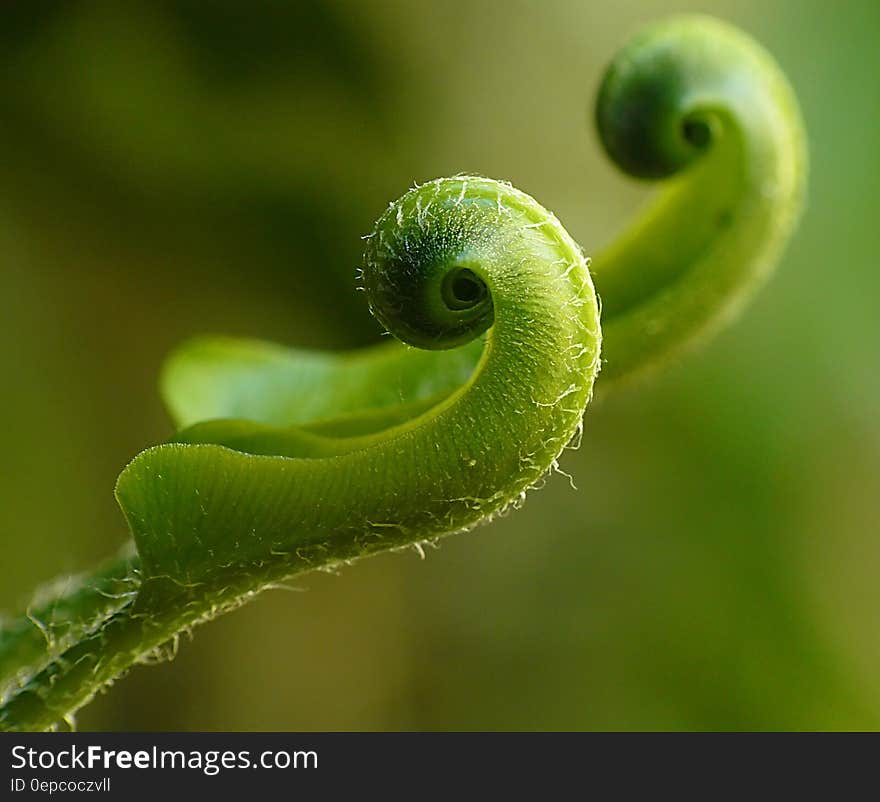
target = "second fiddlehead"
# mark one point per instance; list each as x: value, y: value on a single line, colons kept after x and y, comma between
x: 287, y: 461
x: 697, y: 103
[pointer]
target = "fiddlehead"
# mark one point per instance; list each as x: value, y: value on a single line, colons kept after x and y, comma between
x: 288, y: 461
x: 234, y: 505
x: 699, y: 104
x: 446, y: 262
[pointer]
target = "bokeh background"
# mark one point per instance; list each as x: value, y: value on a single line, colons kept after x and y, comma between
x: 171, y: 167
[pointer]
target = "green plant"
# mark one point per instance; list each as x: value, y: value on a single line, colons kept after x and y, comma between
x: 290, y: 461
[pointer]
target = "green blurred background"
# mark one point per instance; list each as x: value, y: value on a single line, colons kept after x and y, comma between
x: 172, y: 167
